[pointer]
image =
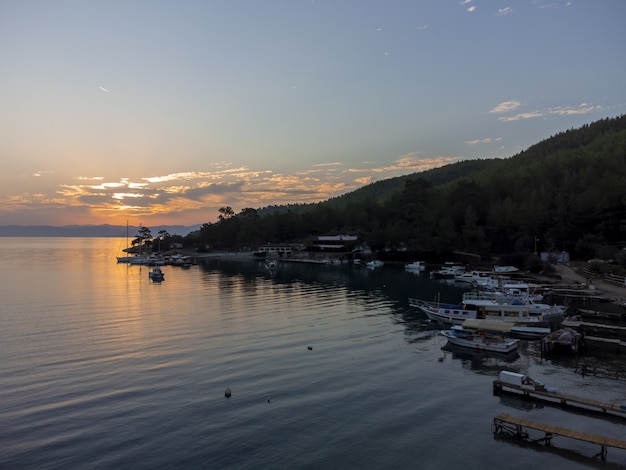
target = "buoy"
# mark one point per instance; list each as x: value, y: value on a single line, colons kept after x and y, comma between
x: 227, y: 392
x: 310, y: 348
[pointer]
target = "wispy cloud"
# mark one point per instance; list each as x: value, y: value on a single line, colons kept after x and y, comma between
x: 105, y: 90
x: 468, y: 6
x: 506, y: 107
x: 504, y: 11
x: 487, y: 140
x: 583, y: 108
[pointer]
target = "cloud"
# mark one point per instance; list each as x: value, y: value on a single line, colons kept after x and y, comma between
x: 39, y: 173
x: 521, y: 116
x: 470, y: 8
x: 504, y: 11
x: 506, y: 107
x: 488, y: 140
x: 95, y: 199
x: 583, y: 108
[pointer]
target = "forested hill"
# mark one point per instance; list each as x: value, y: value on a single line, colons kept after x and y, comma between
x: 564, y: 193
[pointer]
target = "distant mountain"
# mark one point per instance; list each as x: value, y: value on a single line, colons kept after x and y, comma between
x: 88, y: 230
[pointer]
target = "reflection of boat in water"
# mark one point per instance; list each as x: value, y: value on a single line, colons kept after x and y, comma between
x: 519, y: 402
x: 481, y: 359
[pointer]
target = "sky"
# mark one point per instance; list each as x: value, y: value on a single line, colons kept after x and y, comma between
x: 161, y: 112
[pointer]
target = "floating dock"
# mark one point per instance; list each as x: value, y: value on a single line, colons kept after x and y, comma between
x: 519, y: 427
x: 563, y: 398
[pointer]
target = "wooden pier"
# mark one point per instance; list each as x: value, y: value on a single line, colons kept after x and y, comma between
x: 519, y: 427
x: 563, y: 398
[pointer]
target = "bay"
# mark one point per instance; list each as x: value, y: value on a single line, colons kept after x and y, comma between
x: 329, y: 367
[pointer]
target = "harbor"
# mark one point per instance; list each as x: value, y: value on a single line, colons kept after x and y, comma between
x: 531, y: 390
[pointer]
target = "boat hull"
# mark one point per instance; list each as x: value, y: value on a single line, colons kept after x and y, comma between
x: 481, y: 343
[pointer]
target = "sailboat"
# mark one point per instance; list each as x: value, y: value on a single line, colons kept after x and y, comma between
x: 125, y: 259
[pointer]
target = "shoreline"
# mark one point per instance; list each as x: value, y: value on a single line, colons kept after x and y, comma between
x: 566, y: 274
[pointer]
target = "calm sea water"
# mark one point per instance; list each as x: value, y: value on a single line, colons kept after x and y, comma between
x: 328, y: 366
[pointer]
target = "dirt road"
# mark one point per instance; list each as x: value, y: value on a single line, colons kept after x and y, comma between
x: 615, y: 292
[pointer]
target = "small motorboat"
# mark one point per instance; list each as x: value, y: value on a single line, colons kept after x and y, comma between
x: 480, y: 340
x: 156, y: 274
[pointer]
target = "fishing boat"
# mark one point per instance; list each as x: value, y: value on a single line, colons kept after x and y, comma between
x: 480, y: 340
x: 480, y: 309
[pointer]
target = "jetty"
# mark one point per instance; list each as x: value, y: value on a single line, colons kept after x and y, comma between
x: 519, y: 427
x: 539, y: 391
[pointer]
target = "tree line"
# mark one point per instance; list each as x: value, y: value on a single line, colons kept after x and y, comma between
x: 565, y: 193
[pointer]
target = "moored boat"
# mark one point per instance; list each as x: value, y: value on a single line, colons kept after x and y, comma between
x: 480, y: 309
x: 415, y: 266
x: 156, y: 274
x: 448, y: 271
x: 514, y: 330
x: 479, y: 340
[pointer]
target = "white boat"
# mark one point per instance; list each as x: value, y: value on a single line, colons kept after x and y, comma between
x: 448, y: 271
x: 472, y: 277
x: 183, y: 261
x: 479, y: 340
x: 415, y: 266
x: 518, y: 293
x: 375, y: 263
x: 476, y: 310
x: 156, y: 274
